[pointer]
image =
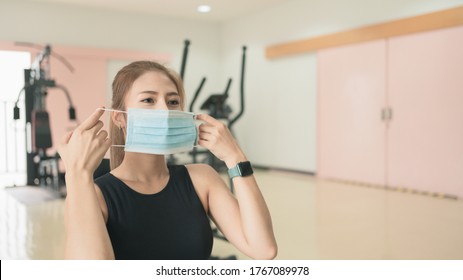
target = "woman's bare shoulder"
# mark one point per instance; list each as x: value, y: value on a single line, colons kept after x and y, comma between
x: 200, y: 168
x: 203, y: 174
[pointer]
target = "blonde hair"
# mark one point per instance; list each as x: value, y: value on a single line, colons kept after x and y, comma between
x: 121, y: 86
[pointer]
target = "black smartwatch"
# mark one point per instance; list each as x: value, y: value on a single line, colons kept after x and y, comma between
x: 242, y: 169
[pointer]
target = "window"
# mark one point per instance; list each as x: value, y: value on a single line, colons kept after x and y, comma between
x: 12, y: 133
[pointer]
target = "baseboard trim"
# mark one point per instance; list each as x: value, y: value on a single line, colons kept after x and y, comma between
x: 269, y: 168
x: 397, y: 189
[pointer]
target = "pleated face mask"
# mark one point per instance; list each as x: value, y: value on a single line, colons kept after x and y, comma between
x: 160, y: 132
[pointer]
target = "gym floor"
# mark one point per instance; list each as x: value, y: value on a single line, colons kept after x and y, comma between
x: 313, y: 219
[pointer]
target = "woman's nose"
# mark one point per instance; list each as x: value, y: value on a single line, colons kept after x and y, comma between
x: 162, y: 105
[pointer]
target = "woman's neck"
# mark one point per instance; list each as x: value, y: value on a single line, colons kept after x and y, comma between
x: 142, y: 167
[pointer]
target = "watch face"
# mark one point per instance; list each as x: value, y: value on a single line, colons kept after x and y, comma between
x: 246, y: 168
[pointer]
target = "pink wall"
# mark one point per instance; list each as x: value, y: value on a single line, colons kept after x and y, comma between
x: 87, y: 85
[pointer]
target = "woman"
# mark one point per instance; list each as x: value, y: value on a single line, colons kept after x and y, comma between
x: 144, y: 209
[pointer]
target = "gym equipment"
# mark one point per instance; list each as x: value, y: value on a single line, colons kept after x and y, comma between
x: 217, y: 107
x: 42, y: 170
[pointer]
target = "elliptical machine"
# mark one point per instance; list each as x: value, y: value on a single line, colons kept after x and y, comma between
x: 217, y: 107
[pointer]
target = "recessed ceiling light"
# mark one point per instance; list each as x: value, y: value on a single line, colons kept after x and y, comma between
x: 204, y: 8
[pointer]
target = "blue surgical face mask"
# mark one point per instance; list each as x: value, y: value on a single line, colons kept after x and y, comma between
x: 159, y: 132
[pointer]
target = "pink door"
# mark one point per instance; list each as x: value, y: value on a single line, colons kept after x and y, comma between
x: 426, y: 95
x: 351, y: 133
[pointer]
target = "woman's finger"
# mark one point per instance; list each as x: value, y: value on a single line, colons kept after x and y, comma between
x: 208, y: 119
x: 203, y: 143
x: 97, y: 127
x: 205, y: 136
x: 204, y: 128
x: 102, y: 135
x: 104, y: 143
x: 92, y: 119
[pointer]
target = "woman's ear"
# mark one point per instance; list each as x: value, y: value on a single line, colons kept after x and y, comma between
x: 118, y: 119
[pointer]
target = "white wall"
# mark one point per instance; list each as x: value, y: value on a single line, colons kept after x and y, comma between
x: 279, y: 125
x: 78, y: 26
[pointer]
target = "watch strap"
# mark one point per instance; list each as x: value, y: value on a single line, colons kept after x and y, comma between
x: 234, y: 172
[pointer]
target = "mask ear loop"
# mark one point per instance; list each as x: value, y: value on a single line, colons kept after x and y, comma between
x: 118, y: 111
x: 113, y: 110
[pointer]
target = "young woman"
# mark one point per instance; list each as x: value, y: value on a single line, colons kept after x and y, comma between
x: 145, y: 209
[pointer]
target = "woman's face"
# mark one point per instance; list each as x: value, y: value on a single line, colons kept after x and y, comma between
x: 153, y: 90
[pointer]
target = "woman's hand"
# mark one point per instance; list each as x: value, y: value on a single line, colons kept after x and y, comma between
x: 83, y: 149
x: 217, y: 138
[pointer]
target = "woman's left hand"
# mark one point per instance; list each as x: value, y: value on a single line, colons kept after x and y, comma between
x: 217, y: 138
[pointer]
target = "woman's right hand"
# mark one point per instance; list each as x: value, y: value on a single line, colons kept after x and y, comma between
x: 83, y: 149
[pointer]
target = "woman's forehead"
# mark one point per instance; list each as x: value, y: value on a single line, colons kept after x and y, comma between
x: 153, y: 81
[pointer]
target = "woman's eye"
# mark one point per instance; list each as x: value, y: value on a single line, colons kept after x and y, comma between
x: 147, y: 100
x: 173, y: 102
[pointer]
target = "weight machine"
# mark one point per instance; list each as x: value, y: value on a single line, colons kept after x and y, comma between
x: 42, y: 169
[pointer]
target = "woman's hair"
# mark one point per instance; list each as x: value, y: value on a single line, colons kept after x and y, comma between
x: 121, y: 86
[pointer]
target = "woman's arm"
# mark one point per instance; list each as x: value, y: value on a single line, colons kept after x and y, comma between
x: 244, y: 218
x: 86, y: 236
x: 85, y: 228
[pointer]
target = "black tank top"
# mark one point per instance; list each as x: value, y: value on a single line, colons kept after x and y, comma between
x: 170, y: 224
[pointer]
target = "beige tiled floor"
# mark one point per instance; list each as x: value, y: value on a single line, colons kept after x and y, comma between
x: 313, y: 219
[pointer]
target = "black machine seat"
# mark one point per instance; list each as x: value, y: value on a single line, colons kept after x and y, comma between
x: 41, y: 130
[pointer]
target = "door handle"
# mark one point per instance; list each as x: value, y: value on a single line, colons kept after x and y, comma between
x: 386, y: 114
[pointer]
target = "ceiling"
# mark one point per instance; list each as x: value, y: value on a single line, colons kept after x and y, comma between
x: 222, y: 10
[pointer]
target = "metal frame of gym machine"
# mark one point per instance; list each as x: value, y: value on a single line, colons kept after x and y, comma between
x: 42, y: 170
